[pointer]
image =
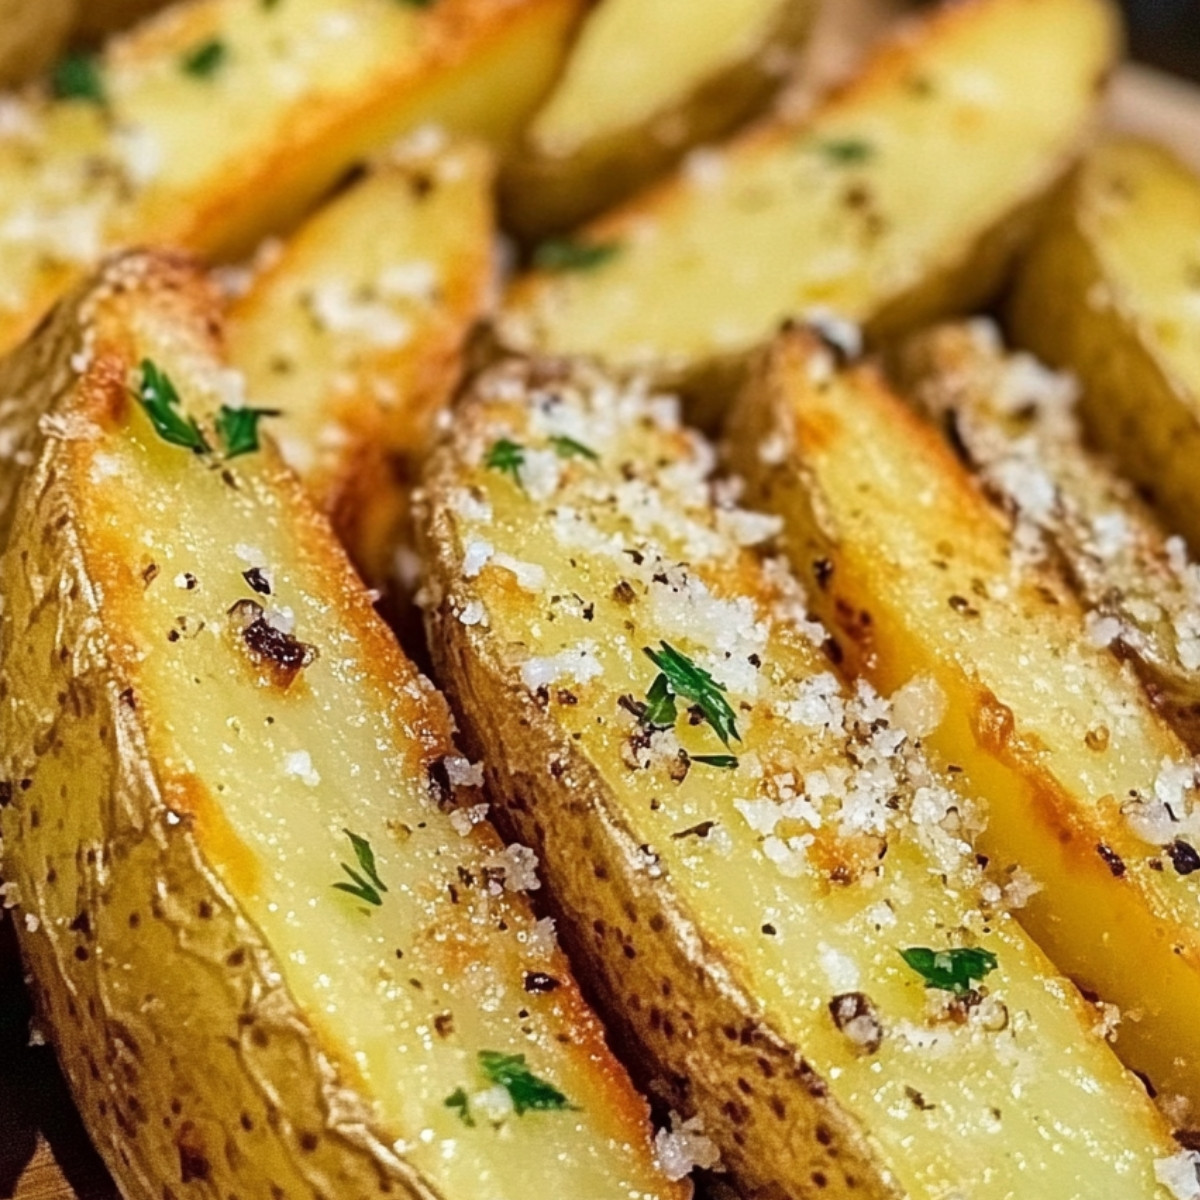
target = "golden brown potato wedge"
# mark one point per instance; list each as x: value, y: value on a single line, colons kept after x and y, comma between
x: 32, y: 36
x: 97, y: 19
x: 1013, y: 422
x: 643, y: 83
x: 739, y: 846
x: 1087, y: 787
x: 1111, y: 290
x: 354, y: 334
x: 275, y: 941
x: 225, y: 119
x: 901, y: 198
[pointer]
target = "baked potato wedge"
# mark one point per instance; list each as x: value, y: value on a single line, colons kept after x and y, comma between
x: 222, y: 120
x: 901, y: 198
x: 354, y: 335
x: 741, y: 848
x: 917, y: 575
x: 643, y: 83
x: 277, y: 945
x: 1014, y: 423
x: 1109, y: 290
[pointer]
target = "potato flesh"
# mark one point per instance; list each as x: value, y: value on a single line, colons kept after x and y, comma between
x: 711, y: 262
x: 634, y: 61
x: 353, y: 334
x: 272, y: 778
x: 214, y: 162
x: 791, y: 941
x: 1050, y: 730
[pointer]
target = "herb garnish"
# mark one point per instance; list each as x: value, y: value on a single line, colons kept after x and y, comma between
x: 567, y: 254
x: 458, y: 1101
x: 568, y: 447
x: 950, y: 970
x: 507, y: 457
x: 160, y: 400
x: 725, y: 762
x: 203, y: 61
x: 660, y: 712
x: 238, y: 428
x: 528, y: 1092
x: 367, y: 886
x: 77, y: 77
x: 847, y: 151
x: 683, y: 678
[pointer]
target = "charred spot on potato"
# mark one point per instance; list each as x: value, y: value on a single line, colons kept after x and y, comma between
x: 280, y: 654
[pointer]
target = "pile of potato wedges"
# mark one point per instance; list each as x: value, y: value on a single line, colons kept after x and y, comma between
x: 571, y: 627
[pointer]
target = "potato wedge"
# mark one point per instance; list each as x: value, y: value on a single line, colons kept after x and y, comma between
x: 226, y: 119
x: 901, y: 198
x: 354, y: 334
x: 739, y: 846
x: 98, y: 19
x: 643, y: 83
x: 1087, y: 787
x: 31, y: 37
x: 275, y: 954
x: 1109, y: 290
x: 1014, y: 424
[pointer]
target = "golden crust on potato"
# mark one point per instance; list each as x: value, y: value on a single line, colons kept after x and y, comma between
x: 741, y: 847
x: 1108, y: 291
x: 354, y: 332
x: 862, y: 210
x: 1086, y: 786
x: 643, y: 83
x: 276, y: 943
x: 224, y: 120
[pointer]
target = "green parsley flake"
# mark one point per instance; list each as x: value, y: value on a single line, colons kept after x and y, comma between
x: 566, y: 447
x: 723, y: 762
x: 206, y: 59
x: 160, y: 401
x: 459, y: 1101
x: 78, y: 77
x: 507, y: 457
x: 696, y: 685
x: 660, y: 705
x: 238, y: 428
x: 567, y: 254
x: 366, y: 885
x: 847, y: 152
x: 955, y: 970
x: 528, y: 1092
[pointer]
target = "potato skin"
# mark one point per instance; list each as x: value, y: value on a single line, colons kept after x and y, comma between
x: 32, y: 35
x: 111, y: 886
x: 542, y: 192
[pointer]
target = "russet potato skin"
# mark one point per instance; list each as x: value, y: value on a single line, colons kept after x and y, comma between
x: 919, y: 577
x: 1103, y: 291
x: 699, y: 280
x: 546, y: 188
x: 180, y: 1006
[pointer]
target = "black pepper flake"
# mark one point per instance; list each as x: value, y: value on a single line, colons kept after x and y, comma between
x: 918, y: 1100
x: 822, y: 572
x: 282, y: 654
x: 702, y: 830
x: 1116, y: 864
x: 6, y: 793
x: 963, y: 606
x: 257, y: 580
x: 856, y: 1016
x: 1184, y: 857
x: 538, y: 982
x: 150, y: 573
x: 769, y: 930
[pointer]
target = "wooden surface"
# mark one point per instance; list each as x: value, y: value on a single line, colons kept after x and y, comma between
x: 44, y: 1153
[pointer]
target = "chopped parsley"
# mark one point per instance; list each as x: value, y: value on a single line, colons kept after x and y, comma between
x: 846, y: 152
x: 238, y: 428
x: 567, y: 447
x: 528, y: 1092
x: 660, y: 711
x: 365, y: 884
x: 206, y: 59
x: 78, y: 77
x: 568, y: 254
x: 507, y: 457
x: 160, y: 400
x: 692, y: 683
x: 459, y: 1101
x: 724, y: 762
x: 950, y: 970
